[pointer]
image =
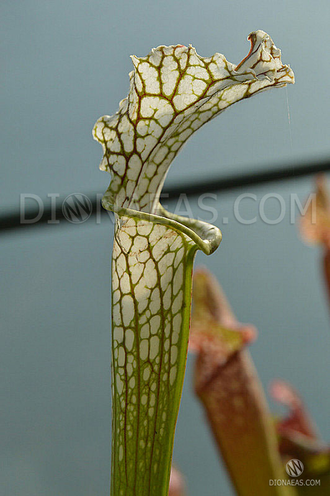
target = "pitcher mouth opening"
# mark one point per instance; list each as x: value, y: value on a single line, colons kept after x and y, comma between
x: 207, y: 237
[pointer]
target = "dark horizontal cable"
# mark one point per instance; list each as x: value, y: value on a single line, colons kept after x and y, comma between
x: 12, y: 220
x: 243, y: 180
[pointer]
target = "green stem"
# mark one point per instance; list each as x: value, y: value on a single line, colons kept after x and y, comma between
x: 151, y: 298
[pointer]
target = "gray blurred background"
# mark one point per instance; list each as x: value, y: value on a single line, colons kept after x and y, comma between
x: 63, y: 65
